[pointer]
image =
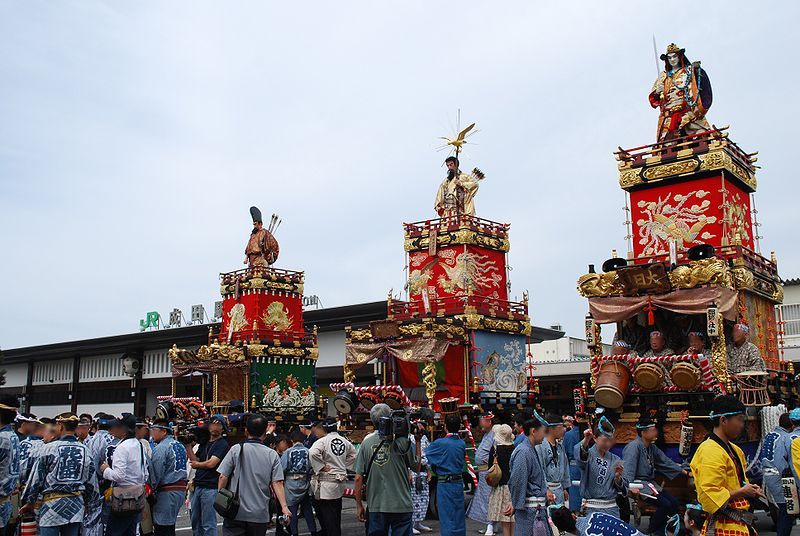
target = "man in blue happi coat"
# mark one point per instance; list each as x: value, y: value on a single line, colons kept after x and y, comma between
x: 572, y: 437
x: 9, y: 457
x: 527, y: 483
x: 554, y: 459
x: 776, y: 457
x: 446, y: 459
x: 642, y: 459
x: 167, y: 478
x: 602, y: 472
x: 32, y: 429
x: 63, y: 480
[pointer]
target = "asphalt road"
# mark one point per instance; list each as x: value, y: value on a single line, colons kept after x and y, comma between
x: 351, y: 526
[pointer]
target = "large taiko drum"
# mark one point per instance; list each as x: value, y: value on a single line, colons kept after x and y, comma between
x: 685, y: 376
x: 613, y: 381
x: 394, y: 400
x: 449, y: 405
x: 649, y: 376
x: 369, y: 399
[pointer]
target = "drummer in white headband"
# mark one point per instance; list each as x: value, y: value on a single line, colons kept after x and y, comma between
x: 743, y: 355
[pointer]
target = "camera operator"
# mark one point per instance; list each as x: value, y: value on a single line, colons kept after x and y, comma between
x: 204, y: 485
x: 382, y: 465
x: 331, y: 456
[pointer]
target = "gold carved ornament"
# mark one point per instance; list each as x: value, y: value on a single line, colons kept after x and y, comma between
x: 742, y: 278
x: 599, y: 285
x: 429, y: 379
x: 668, y: 170
x: 703, y: 272
x: 719, y: 360
x: 349, y: 373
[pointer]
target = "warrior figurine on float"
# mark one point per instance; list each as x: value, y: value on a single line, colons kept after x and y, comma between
x: 262, y: 248
x: 683, y: 92
x: 456, y: 194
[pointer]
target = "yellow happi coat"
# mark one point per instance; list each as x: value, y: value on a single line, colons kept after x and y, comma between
x: 715, y: 478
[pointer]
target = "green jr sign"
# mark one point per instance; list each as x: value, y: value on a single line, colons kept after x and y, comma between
x: 150, y: 322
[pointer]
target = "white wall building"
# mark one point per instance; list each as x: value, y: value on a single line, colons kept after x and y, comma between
x: 790, y: 311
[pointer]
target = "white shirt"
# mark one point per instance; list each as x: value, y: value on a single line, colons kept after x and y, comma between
x: 130, y: 464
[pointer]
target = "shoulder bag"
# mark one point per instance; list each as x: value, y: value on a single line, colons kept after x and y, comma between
x: 495, y: 473
x: 226, y: 503
x: 129, y: 500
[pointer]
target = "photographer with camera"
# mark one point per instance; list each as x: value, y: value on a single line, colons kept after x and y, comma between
x: 382, y: 466
x: 331, y: 456
x: 210, y: 452
x: 446, y: 458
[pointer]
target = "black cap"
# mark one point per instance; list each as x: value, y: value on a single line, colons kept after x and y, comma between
x: 256, y: 214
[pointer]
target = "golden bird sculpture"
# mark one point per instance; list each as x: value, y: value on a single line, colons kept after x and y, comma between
x: 459, y: 140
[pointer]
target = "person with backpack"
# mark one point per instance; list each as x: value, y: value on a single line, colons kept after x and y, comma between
x: 128, y: 477
x: 499, y: 461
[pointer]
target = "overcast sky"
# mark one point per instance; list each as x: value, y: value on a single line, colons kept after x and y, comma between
x: 134, y: 136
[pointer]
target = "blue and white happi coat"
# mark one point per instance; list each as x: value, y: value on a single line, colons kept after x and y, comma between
x: 556, y: 467
x: 598, y: 483
x: 603, y: 524
x: 9, y: 471
x: 64, y: 468
x: 479, y: 507
x: 528, y: 488
x: 167, y: 466
x: 99, y: 445
x: 420, y: 499
x: 27, y: 452
x: 776, y: 456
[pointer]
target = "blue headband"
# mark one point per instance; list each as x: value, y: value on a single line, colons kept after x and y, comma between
x: 676, y: 520
x: 606, y: 432
x: 694, y: 507
x: 713, y: 415
x: 544, y: 421
x: 645, y: 426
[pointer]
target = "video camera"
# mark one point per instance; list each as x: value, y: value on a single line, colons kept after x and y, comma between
x: 192, y: 434
x: 394, y: 426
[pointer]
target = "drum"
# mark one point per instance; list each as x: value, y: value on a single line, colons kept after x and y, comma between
x: 649, y: 376
x: 611, y: 388
x: 165, y: 411
x: 752, y: 388
x: 369, y: 399
x: 449, y: 405
x: 345, y: 401
x: 685, y: 376
x: 181, y: 411
x: 394, y: 400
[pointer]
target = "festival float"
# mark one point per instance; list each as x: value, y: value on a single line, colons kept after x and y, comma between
x: 458, y: 342
x: 261, y: 358
x: 693, y: 284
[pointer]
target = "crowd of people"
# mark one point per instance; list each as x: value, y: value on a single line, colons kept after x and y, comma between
x: 105, y: 475
x: 537, y: 474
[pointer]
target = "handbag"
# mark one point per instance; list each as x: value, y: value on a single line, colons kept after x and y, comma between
x: 226, y: 502
x: 495, y: 473
x: 129, y: 500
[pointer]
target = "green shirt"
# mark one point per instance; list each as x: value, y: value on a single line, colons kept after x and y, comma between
x: 388, y: 487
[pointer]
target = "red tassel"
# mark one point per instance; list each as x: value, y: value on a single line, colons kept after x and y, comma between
x: 651, y: 319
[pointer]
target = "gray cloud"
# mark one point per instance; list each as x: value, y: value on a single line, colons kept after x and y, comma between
x: 135, y: 136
